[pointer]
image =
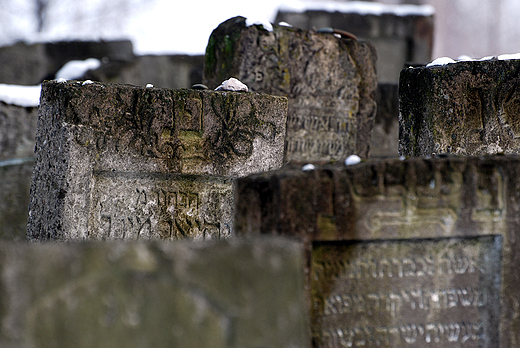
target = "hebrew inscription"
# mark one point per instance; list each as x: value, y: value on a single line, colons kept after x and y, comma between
x: 420, y: 293
x: 160, y: 206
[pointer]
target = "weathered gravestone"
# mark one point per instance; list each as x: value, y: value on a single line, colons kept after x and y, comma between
x: 413, y: 253
x: 330, y: 83
x: 120, y: 161
x: 234, y: 293
x: 467, y: 108
x: 401, y: 33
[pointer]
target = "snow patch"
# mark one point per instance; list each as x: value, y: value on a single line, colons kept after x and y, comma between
x: 308, y: 166
x: 441, y: 61
x: 285, y: 24
x: 352, y: 159
x: 232, y: 84
x: 149, y: 85
x: 360, y: 7
x: 26, y: 96
x: 87, y: 82
x: 509, y: 56
x: 75, y: 69
x: 259, y: 21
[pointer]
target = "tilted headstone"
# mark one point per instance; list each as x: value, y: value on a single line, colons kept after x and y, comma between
x: 466, y: 108
x: 234, y: 293
x: 419, y: 253
x: 120, y: 161
x: 330, y: 83
x: 402, y: 34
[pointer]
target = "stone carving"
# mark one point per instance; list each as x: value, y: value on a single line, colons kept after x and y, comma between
x: 115, y: 161
x: 467, y: 108
x: 330, y: 84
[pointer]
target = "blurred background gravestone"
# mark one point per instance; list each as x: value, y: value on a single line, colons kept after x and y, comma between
x: 468, y: 108
x: 422, y: 252
x: 330, y: 83
x: 178, y: 294
x: 121, y: 161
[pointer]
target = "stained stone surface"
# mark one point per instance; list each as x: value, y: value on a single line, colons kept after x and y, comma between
x: 467, y: 108
x: 330, y: 84
x: 120, y: 161
x: 419, y: 252
x: 234, y: 293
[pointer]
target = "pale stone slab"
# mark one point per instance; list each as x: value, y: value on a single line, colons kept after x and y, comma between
x: 445, y: 229
x: 114, y: 160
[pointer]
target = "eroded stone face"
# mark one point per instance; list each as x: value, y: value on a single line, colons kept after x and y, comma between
x: 330, y: 84
x: 467, y: 108
x: 116, y: 161
x: 419, y: 252
x: 182, y: 294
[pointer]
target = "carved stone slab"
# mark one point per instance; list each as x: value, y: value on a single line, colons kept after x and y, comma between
x: 330, y: 83
x: 445, y: 229
x: 119, y: 161
x: 156, y: 294
x: 467, y: 108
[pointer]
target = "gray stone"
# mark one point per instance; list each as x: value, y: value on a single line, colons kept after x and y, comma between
x: 467, y: 108
x: 15, y: 183
x: 399, y: 39
x: 330, y: 84
x: 119, y: 161
x: 385, y: 135
x: 23, y: 64
x: 17, y: 131
x: 420, y: 252
x: 234, y: 293
x: 166, y: 71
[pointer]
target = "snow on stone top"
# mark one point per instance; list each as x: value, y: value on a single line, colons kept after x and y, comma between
x: 464, y: 58
x: 75, y: 69
x: 441, y: 61
x: 26, y: 96
x: 361, y: 7
x: 259, y: 21
x: 232, y: 84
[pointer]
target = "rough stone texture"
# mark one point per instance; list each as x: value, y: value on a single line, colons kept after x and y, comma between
x: 431, y: 240
x: 228, y: 294
x: 399, y: 40
x: 168, y: 71
x: 15, y: 183
x: 119, y: 161
x: 17, y: 131
x: 467, y: 108
x: 330, y: 84
x: 23, y: 64
x: 385, y: 135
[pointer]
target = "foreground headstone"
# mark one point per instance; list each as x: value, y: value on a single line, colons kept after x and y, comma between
x: 232, y: 293
x: 330, y: 83
x: 119, y: 161
x: 467, y: 108
x: 420, y: 253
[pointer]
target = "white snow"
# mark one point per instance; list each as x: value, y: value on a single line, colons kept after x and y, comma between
x: 149, y: 85
x: 509, y: 56
x: 284, y: 24
x: 352, y: 159
x: 361, y: 7
x: 75, y: 69
x: 308, y: 166
x: 259, y: 21
x: 232, y: 84
x: 87, y: 82
x: 441, y: 61
x: 26, y: 96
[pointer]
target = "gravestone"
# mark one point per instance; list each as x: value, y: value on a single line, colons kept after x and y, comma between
x: 182, y: 294
x: 419, y: 252
x: 165, y: 71
x: 330, y: 83
x: 468, y: 108
x: 402, y: 34
x: 120, y: 161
